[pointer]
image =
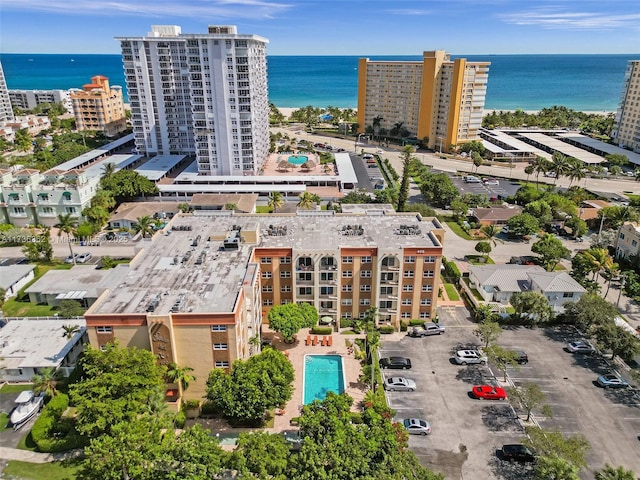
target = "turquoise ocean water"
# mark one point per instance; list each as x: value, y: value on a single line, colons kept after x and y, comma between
x: 529, y: 82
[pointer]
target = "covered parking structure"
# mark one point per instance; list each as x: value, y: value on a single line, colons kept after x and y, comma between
x: 552, y: 144
x: 598, y: 147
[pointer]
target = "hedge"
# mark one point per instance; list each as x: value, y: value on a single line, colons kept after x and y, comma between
x: 50, y: 422
x: 208, y: 408
x: 180, y: 419
x: 322, y: 330
x: 451, y: 270
x: 404, y: 326
x: 416, y: 322
x: 386, y: 329
x: 346, y: 323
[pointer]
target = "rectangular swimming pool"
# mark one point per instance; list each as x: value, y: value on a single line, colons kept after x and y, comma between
x: 322, y: 374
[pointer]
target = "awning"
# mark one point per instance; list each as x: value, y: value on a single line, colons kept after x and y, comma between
x: 14, y: 195
x: 42, y: 194
x: 67, y: 194
x: 72, y: 295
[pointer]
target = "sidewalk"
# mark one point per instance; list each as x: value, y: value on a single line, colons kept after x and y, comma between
x: 36, y: 457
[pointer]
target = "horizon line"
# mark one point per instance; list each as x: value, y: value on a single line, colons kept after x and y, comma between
x: 350, y: 55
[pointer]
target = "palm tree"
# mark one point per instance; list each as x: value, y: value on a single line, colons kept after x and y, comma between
x: 108, y: 170
x: 70, y: 330
x: 144, y: 225
x: 46, y: 381
x: 306, y: 200
x: 559, y: 165
x: 67, y: 224
x: 491, y: 232
x: 599, y: 259
x: 575, y: 171
x: 611, y: 473
x: 529, y: 169
x: 377, y: 122
x: 541, y: 165
x: 276, y: 200
x: 180, y: 375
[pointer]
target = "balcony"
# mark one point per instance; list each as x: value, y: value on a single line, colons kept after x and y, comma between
x: 18, y: 214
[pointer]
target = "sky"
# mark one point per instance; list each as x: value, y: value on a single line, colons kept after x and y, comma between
x: 328, y: 27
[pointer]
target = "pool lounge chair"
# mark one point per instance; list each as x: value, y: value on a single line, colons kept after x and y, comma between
x: 329, y: 340
x: 315, y: 340
x: 324, y: 341
x: 307, y: 342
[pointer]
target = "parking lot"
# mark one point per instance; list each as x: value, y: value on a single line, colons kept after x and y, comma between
x: 505, y: 188
x: 467, y: 434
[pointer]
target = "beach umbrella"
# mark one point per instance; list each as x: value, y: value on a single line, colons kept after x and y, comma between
x: 326, y: 319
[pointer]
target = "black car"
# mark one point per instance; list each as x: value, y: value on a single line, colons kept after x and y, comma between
x: 517, y: 452
x: 397, y: 363
x: 521, y: 357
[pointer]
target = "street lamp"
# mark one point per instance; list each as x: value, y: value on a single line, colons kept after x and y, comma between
x: 440, y: 139
x: 355, y: 147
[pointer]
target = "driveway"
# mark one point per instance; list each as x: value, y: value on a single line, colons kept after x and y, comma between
x: 10, y: 438
x: 362, y: 172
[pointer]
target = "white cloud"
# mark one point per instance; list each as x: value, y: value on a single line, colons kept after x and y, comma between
x: 572, y: 20
x: 254, y: 9
x: 408, y: 11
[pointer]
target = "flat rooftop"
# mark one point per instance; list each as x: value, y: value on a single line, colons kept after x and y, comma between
x: 563, y: 147
x: 157, y: 167
x: 177, y: 272
x: 81, y: 280
x: 599, y: 146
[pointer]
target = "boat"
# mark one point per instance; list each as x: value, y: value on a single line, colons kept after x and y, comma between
x: 27, y: 404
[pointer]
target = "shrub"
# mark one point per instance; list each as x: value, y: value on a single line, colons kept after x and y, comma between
x: 451, y: 270
x: 190, y: 404
x: 294, y: 421
x: 322, y: 330
x: 416, y: 322
x: 386, y: 329
x: 404, y: 326
x: 356, y: 417
x: 180, y: 419
x: 51, y: 433
x: 346, y: 323
x: 208, y: 408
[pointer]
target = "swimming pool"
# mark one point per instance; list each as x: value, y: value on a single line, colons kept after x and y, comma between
x: 322, y: 374
x: 297, y: 159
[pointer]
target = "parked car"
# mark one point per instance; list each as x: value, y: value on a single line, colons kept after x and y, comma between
x: 521, y: 357
x: 467, y: 357
x: 83, y: 258
x: 491, y: 181
x: 612, y: 380
x: 581, y: 346
x: 399, y: 384
x: 428, y: 329
x: 471, y: 179
x: 518, y: 452
x: 397, y: 363
x: 70, y: 258
x: 488, y: 392
x: 417, y: 426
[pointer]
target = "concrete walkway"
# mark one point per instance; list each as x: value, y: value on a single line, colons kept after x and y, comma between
x: 36, y: 457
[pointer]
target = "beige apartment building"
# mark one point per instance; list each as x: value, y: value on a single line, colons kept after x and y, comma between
x: 436, y: 98
x: 628, y: 241
x: 198, y: 295
x: 626, y: 128
x: 99, y: 106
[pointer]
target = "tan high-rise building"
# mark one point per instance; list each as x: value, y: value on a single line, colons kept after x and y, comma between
x: 626, y: 128
x: 436, y: 98
x: 6, y: 110
x: 198, y: 296
x: 99, y: 107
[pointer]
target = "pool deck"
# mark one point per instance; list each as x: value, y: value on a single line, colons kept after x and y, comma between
x: 296, y: 352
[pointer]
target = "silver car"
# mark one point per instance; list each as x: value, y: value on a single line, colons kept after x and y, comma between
x: 417, y: 426
x: 467, y: 357
x: 399, y: 384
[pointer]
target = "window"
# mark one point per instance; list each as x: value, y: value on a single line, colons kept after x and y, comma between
x: 104, y: 329
x: 326, y: 290
x: 567, y: 295
x: 634, y: 243
x: 222, y: 364
x: 386, y: 304
x: 220, y: 346
x: 365, y: 274
x: 285, y: 260
x: 285, y: 274
x: 267, y: 274
x: 405, y: 315
x: 346, y: 315
x: 305, y: 291
x: 407, y: 288
x: 305, y: 277
x: 218, y: 328
x: 410, y: 259
x: 425, y: 314
x: 326, y: 276
x: 347, y: 288
x: 408, y: 274
x: 267, y: 289
x: 347, y: 274
x: 365, y: 288
x: 267, y: 302
x: 622, y: 236
x: 429, y: 259
x: 427, y: 274
x: 386, y: 290
x: 406, y: 301
x: 265, y: 260
x: 425, y: 302
x: 365, y: 302
x: 427, y: 288
x: 366, y: 259
x: 347, y: 259
x: 285, y: 288
x: 346, y: 302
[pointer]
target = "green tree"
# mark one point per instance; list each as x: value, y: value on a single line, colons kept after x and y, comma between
x: 577, y: 225
x: 559, y: 165
x: 540, y: 210
x: 491, y: 232
x: 599, y: 259
x: 529, y: 396
x: 39, y: 248
x: 46, y: 380
x: 276, y: 200
x: 184, y: 207
x: 108, y: 169
x: 67, y: 225
x: 575, y: 171
x: 523, y: 224
x: 531, y: 307
x: 115, y: 385
x: 551, y: 251
x: 252, y: 387
x: 477, y: 160
x: 590, y: 310
x: 484, y: 313
x: 437, y: 189
x: 501, y: 358
x: 403, y: 193
x: 546, y: 443
x: 125, y: 185
x: 488, y: 332
x: 180, y: 375
x: 612, y: 473
x: 484, y: 248
x: 261, y: 455
x: 70, y: 330
x: 307, y: 200
x: 144, y: 226
x: 554, y: 467
x: 22, y: 140
x: 529, y: 169
x: 614, y: 338
x: 289, y: 318
x: 459, y: 208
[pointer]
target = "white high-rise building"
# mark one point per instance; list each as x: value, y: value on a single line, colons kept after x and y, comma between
x: 200, y: 94
x: 6, y: 112
x: 626, y: 128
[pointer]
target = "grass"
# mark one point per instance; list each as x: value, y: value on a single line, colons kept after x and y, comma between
x: 4, y: 422
x: 27, y: 443
x: 474, y: 291
x: 480, y: 260
x: 21, y: 387
x: 263, y: 209
x: 67, y: 470
x: 452, y: 293
x: 457, y: 229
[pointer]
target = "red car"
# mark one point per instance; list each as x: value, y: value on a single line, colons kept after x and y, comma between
x: 488, y: 392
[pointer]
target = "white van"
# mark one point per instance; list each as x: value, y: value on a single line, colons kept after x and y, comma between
x: 471, y: 179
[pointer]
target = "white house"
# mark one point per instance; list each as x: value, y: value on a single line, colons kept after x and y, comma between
x: 14, y: 277
x: 496, y: 283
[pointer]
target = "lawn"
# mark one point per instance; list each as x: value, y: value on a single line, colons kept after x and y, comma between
x: 21, y: 387
x: 4, y: 422
x: 457, y: 229
x: 452, y: 293
x: 42, y: 471
x: 263, y: 209
x: 480, y: 260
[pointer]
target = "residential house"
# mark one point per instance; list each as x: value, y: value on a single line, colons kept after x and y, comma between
x: 14, y: 277
x: 495, y: 215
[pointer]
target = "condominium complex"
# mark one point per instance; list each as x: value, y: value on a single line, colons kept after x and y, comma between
x: 626, y: 128
x: 196, y: 297
x: 436, y: 98
x: 99, y: 106
x: 30, y: 99
x: 6, y: 112
x: 200, y: 94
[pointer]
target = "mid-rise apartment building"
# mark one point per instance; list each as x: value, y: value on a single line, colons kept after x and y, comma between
x: 626, y: 128
x: 436, y: 98
x: 197, y: 296
x: 99, y: 106
x: 628, y: 242
x: 30, y: 99
x: 203, y: 95
x: 6, y: 112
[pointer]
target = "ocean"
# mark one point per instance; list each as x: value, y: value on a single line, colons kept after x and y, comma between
x: 530, y: 82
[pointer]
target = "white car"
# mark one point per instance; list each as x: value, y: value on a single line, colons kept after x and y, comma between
x: 468, y: 357
x: 491, y: 181
x: 83, y: 258
x: 471, y: 179
x: 399, y: 384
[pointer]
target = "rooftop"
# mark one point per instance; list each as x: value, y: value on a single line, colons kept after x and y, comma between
x: 83, y: 280
x: 11, y: 274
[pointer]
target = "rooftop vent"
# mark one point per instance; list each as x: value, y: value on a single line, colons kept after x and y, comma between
x: 153, y: 304
x: 408, y: 230
x: 352, y: 230
x: 277, y: 231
